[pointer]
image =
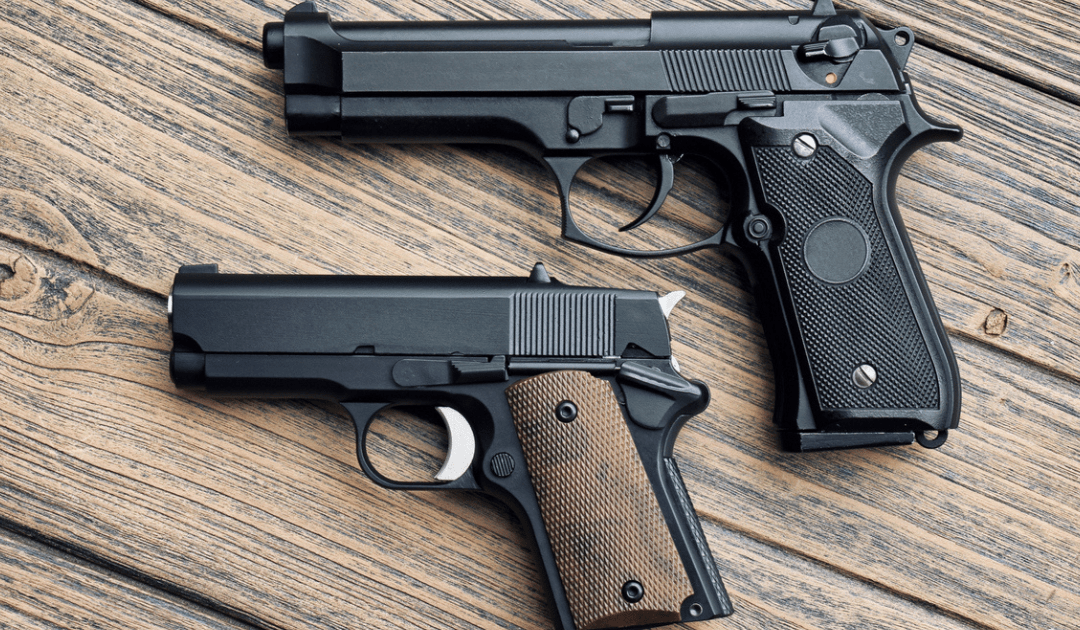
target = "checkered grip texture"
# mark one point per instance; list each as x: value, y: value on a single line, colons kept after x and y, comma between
x: 869, y: 320
x: 598, y: 507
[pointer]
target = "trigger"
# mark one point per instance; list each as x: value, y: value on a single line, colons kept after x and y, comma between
x: 667, y: 180
x: 461, y: 445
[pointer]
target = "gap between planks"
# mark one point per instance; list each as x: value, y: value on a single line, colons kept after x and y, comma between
x: 76, y: 577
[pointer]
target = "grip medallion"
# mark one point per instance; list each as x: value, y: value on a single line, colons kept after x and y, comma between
x: 600, y: 512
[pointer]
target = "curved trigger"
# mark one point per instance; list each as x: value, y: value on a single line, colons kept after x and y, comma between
x: 461, y: 445
x: 667, y: 180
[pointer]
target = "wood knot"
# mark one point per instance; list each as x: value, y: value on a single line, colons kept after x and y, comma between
x: 996, y: 322
x: 27, y: 290
x: 1065, y: 281
x: 18, y: 277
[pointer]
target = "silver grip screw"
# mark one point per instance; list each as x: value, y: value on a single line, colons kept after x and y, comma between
x: 864, y: 376
x: 804, y: 145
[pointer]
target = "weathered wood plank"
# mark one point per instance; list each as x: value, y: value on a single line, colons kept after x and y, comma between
x: 1031, y: 41
x: 42, y: 588
x: 136, y: 143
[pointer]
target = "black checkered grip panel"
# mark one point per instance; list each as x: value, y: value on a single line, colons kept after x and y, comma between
x: 868, y: 320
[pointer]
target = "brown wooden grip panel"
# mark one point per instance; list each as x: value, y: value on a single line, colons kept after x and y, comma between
x: 599, y: 509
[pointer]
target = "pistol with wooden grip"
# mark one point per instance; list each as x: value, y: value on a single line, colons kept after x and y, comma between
x: 808, y: 115
x: 562, y: 401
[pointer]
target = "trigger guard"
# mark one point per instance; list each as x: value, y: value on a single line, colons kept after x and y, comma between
x: 572, y: 232
x: 564, y: 169
x: 362, y: 413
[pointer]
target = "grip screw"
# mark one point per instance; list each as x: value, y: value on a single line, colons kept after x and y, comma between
x: 804, y: 145
x: 759, y: 227
x: 864, y: 376
x: 633, y: 591
x: 566, y: 411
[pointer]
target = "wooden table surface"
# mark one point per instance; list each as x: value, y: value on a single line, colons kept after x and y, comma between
x: 139, y: 135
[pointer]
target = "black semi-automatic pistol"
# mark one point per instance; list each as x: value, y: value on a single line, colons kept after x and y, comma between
x: 808, y: 114
x: 562, y: 401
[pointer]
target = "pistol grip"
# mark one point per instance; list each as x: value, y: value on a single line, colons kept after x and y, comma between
x: 619, y: 547
x: 860, y: 354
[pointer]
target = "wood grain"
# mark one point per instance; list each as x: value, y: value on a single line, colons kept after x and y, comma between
x: 1033, y: 42
x: 139, y: 136
x: 43, y: 588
